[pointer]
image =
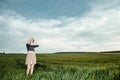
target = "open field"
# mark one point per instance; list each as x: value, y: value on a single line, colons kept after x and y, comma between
x: 88, y: 66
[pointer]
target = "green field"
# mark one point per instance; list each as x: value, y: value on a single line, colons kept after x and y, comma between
x: 70, y: 66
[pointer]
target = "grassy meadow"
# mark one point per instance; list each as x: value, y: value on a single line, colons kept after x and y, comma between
x: 70, y: 66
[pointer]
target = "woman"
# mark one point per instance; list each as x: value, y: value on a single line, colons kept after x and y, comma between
x: 31, y: 57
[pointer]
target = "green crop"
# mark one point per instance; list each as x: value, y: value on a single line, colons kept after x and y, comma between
x: 62, y: 67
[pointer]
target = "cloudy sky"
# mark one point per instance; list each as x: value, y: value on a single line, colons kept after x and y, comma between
x: 60, y: 25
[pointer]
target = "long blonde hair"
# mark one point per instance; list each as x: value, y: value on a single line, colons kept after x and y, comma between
x: 31, y: 41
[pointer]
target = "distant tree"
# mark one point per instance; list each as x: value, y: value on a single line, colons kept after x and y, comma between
x: 3, y: 52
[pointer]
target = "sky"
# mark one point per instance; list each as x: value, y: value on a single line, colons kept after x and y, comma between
x: 60, y: 25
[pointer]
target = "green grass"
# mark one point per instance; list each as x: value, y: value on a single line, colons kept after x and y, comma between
x: 88, y: 66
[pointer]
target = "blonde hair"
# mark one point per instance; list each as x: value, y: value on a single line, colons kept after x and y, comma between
x: 31, y: 40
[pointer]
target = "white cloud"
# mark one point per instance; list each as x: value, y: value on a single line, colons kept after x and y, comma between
x: 102, y: 5
x: 96, y: 31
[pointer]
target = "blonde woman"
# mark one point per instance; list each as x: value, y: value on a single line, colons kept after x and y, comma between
x: 31, y: 57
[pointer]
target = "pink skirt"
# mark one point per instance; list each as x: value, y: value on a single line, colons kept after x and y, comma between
x: 30, y: 58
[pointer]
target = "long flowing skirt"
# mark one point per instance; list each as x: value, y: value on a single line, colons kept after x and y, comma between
x: 30, y: 58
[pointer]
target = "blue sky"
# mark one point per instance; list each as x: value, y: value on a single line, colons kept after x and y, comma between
x: 46, y: 8
x: 60, y: 25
